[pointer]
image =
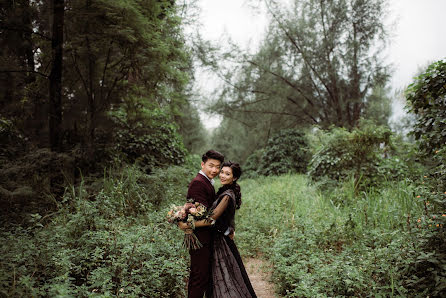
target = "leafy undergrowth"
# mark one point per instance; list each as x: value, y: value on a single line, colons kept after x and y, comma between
x: 114, y: 242
x: 110, y: 238
x: 338, y: 244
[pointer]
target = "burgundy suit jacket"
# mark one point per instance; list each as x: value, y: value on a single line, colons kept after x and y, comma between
x: 201, y: 190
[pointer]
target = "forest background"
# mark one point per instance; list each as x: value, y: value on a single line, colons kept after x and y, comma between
x: 100, y: 133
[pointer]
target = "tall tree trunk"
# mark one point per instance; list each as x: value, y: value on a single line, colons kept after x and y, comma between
x: 55, y: 84
x: 355, y: 96
x: 91, y: 104
x: 29, y: 53
x: 91, y: 96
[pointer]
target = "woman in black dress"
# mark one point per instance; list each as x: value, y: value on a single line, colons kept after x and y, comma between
x: 229, y: 277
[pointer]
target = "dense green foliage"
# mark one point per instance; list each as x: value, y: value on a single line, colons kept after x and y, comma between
x: 123, y: 50
x: 124, y: 92
x: 427, y: 270
x: 147, y: 136
x: 373, y: 246
x: 287, y: 151
x: 427, y: 99
x: 370, y: 154
x: 109, y: 238
x: 354, y: 153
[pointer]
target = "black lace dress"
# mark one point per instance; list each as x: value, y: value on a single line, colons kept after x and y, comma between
x: 229, y: 277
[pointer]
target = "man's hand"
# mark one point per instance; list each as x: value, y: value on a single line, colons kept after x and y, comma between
x: 184, y: 226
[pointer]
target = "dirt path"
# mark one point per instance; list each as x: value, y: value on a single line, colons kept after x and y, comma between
x: 259, y: 272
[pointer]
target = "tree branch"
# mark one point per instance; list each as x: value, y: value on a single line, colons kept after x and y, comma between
x: 107, y: 60
x: 286, y: 82
x: 299, y: 49
x: 28, y: 71
x: 25, y: 31
x: 80, y: 74
x: 303, y: 110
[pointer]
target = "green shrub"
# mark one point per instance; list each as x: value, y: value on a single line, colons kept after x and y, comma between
x: 146, y: 135
x: 252, y: 164
x: 192, y: 164
x: 355, y: 154
x: 401, y: 161
x: 426, y: 98
x: 79, y: 256
x: 426, y: 271
x: 285, y: 152
x: 438, y: 172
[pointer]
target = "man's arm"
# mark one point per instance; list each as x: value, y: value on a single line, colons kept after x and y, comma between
x: 197, y: 191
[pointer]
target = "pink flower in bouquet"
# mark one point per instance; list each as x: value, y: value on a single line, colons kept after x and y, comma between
x: 189, y: 212
x: 187, y: 206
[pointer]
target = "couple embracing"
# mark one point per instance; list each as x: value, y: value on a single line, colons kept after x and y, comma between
x: 216, y: 269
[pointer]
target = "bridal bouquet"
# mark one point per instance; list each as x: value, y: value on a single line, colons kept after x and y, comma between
x: 190, y: 212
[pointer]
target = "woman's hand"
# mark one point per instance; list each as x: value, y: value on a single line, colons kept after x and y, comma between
x: 231, y: 235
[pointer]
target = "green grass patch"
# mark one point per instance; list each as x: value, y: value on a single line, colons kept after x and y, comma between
x: 330, y: 243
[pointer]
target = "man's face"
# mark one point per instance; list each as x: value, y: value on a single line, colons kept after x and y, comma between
x: 211, y: 167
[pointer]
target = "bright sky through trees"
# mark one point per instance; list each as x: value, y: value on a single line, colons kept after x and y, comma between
x: 418, y: 37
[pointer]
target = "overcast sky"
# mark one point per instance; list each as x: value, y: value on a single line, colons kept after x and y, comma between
x: 419, y: 35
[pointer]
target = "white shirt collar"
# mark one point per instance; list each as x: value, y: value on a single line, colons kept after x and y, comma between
x: 210, y: 180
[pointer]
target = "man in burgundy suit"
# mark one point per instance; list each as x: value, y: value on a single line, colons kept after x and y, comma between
x: 201, y: 190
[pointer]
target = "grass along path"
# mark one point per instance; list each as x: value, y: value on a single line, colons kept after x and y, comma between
x: 328, y: 244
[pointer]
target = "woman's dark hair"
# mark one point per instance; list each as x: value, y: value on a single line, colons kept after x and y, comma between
x: 236, y: 173
x: 212, y: 154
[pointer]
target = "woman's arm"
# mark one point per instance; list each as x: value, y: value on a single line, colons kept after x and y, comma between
x: 218, y: 211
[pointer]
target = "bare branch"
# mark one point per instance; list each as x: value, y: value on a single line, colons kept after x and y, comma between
x: 80, y: 74
x: 105, y: 69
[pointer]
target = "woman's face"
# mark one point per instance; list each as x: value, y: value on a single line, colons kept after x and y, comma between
x: 226, y: 176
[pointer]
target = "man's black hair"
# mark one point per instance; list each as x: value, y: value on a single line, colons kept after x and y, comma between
x: 212, y: 154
